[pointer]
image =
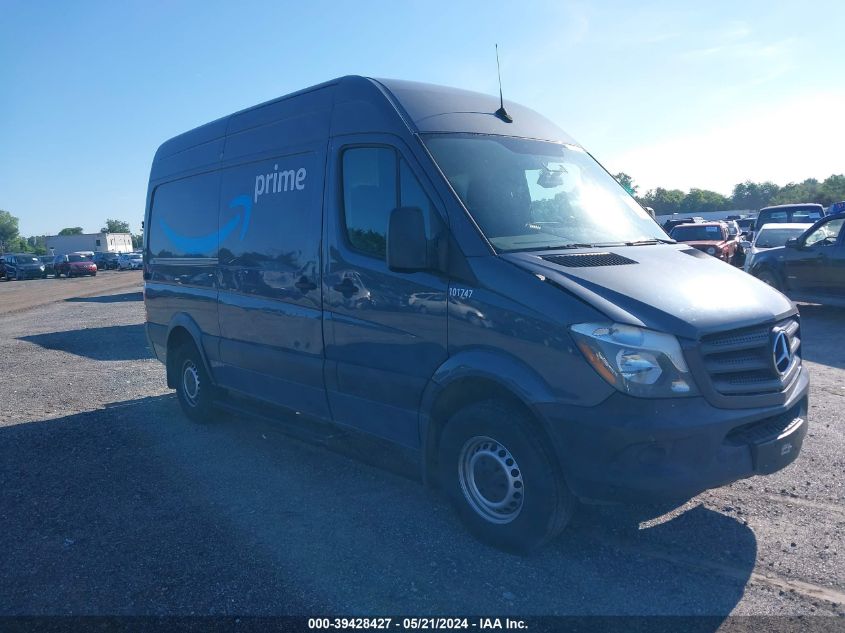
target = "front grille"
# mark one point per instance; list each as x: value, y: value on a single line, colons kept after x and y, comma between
x: 741, y: 362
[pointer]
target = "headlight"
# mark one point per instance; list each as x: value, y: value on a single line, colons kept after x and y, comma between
x: 711, y: 251
x: 636, y: 361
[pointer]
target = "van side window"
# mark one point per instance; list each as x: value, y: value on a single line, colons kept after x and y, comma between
x: 371, y: 192
x: 412, y: 193
x: 183, y: 218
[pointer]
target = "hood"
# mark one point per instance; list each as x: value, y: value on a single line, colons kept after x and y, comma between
x: 81, y: 264
x: 669, y: 288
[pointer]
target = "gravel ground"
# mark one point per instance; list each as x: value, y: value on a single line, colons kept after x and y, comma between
x: 112, y: 503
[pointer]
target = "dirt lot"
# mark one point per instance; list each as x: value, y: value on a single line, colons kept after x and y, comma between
x: 112, y: 503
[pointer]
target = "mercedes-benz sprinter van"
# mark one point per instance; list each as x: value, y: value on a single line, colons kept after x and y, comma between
x: 467, y: 282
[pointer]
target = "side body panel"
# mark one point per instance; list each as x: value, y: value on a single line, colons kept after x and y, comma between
x: 385, y: 330
x: 271, y: 344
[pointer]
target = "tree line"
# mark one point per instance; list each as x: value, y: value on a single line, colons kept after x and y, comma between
x: 11, y: 241
x: 746, y: 195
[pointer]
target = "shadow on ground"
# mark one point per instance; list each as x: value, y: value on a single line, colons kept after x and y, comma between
x: 118, y: 298
x: 133, y: 510
x: 114, y: 342
x: 821, y: 331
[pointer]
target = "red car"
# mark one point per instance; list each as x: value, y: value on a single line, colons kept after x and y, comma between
x: 75, y: 265
x: 711, y: 237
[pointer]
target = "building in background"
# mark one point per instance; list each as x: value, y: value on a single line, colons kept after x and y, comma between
x: 96, y: 242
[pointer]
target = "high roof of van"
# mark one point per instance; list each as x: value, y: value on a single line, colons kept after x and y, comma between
x: 796, y: 205
x: 354, y: 104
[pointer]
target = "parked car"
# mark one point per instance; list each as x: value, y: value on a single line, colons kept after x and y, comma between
x: 49, y: 268
x: 746, y: 226
x: 809, y: 267
x: 668, y: 225
x: 711, y: 237
x: 788, y: 214
x: 771, y: 236
x: 130, y: 261
x: 21, y: 266
x: 106, y: 261
x: 75, y: 265
x: 600, y: 361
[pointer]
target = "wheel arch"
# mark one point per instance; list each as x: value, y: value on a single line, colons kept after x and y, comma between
x: 773, y: 270
x: 182, y: 329
x: 473, y: 376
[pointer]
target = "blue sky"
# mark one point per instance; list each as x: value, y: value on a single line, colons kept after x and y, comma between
x: 676, y: 94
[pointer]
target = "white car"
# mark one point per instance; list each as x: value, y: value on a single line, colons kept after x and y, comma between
x: 130, y: 261
x: 771, y: 236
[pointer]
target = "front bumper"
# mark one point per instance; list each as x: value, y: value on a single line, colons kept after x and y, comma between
x: 632, y: 449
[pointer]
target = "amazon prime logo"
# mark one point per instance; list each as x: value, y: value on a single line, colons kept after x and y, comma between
x: 781, y: 353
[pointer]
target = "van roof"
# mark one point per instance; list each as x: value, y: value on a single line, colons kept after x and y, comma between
x: 797, y: 205
x: 358, y: 104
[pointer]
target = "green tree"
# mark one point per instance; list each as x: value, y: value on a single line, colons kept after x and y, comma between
x: 115, y: 226
x: 833, y: 189
x: 703, y: 201
x: 8, y: 229
x: 808, y: 191
x: 753, y: 195
x: 663, y: 201
x: 73, y: 230
x: 37, y: 244
x: 627, y: 182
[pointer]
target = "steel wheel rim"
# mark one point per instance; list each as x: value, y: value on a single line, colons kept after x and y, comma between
x: 491, y: 480
x: 190, y: 382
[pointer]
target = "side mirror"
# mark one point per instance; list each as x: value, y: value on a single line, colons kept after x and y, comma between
x: 407, y: 245
x: 792, y: 242
x: 746, y: 245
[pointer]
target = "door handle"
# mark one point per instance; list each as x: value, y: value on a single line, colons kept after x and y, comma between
x: 304, y: 284
x: 346, y: 288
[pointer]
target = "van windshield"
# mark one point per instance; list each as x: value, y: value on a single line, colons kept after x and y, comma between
x: 531, y: 195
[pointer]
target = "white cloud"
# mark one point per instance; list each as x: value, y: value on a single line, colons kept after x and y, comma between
x: 798, y: 138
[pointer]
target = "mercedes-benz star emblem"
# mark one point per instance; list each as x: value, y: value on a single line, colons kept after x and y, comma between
x: 781, y: 353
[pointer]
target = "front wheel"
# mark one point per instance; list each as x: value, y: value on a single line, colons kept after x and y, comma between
x: 507, y: 488
x: 193, y: 385
x: 769, y: 278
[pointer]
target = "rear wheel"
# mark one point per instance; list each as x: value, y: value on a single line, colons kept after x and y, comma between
x: 193, y: 385
x: 505, y: 485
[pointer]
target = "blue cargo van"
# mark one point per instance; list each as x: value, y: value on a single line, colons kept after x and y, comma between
x: 467, y: 282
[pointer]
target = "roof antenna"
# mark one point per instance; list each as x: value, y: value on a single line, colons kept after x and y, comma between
x: 501, y: 112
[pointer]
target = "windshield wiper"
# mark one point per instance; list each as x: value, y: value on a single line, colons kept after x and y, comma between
x: 654, y: 240
x: 558, y: 246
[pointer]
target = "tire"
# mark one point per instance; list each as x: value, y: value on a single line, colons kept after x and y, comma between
x: 491, y: 452
x: 193, y: 385
x: 770, y: 278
